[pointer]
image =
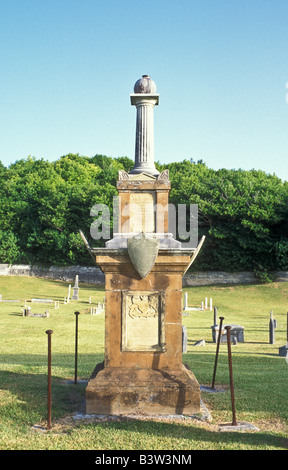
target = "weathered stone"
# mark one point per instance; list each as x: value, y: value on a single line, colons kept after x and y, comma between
x: 121, y: 278
x: 144, y: 100
x: 283, y: 351
x: 141, y: 212
x: 122, y: 391
x: 143, y: 252
x: 184, y: 339
x: 142, y: 371
x: 237, y: 334
x: 94, y: 275
x: 240, y: 426
x: 27, y: 312
x: 75, y: 295
x: 143, y: 321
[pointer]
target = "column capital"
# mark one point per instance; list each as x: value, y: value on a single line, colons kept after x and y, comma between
x: 142, y: 98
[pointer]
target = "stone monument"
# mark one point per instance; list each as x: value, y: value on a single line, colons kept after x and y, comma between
x: 283, y: 351
x: 75, y: 295
x: 142, y: 372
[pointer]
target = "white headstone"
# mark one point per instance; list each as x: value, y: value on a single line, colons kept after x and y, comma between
x: 69, y: 293
x: 185, y: 301
x: 75, y: 295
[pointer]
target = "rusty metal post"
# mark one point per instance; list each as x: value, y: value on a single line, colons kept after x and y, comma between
x: 228, y: 328
x: 49, y: 425
x: 76, y: 347
x: 217, y: 351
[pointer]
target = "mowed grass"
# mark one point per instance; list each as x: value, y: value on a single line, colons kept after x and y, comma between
x: 260, y: 374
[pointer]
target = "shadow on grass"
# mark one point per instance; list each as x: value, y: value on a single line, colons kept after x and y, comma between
x: 189, y: 435
x: 31, y: 392
x: 28, y: 388
x: 26, y: 401
x: 58, y: 360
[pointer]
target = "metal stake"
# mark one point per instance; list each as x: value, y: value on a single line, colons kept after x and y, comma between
x: 76, y: 347
x: 49, y: 425
x: 217, y: 351
x: 228, y: 328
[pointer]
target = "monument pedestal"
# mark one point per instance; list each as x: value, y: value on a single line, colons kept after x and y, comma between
x: 127, y: 391
x: 143, y: 371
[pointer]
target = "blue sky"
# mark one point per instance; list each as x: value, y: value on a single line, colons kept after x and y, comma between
x: 220, y: 67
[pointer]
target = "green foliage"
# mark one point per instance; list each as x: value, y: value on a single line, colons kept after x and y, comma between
x: 44, y: 204
x: 242, y: 213
x: 9, y: 249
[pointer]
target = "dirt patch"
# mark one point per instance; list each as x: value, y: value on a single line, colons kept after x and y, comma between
x: 274, y: 425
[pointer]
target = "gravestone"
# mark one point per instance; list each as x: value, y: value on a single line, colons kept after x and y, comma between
x: 215, y: 316
x: 283, y: 351
x: 75, y: 295
x: 271, y: 329
x: 184, y: 339
x: 69, y: 293
x: 143, y: 264
x: 236, y: 332
x: 27, y: 312
x: 97, y: 310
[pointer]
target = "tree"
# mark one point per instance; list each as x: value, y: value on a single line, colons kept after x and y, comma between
x: 240, y: 212
x: 9, y: 249
x: 44, y: 204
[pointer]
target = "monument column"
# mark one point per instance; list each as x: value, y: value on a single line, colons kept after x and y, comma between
x: 144, y: 98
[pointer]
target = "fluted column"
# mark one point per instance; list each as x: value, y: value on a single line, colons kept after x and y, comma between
x: 144, y: 141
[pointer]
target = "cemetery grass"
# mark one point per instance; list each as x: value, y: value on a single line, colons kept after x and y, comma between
x: 260, y: 375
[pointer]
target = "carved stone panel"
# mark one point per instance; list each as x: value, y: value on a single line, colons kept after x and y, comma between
x: 142, y: 214
x: 143, y: 316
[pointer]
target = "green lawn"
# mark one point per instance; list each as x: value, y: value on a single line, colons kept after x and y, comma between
x: 260, y: 374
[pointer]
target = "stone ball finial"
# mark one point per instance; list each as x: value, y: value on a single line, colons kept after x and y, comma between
x: 145, y: 85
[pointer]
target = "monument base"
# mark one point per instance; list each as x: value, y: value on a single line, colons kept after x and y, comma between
x: 126, y: 391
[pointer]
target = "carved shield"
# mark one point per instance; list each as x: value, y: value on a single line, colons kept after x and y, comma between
x: 143, y: 252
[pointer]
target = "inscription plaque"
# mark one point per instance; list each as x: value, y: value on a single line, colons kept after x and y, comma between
x: 142, y: 215
x: 143, y: 321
